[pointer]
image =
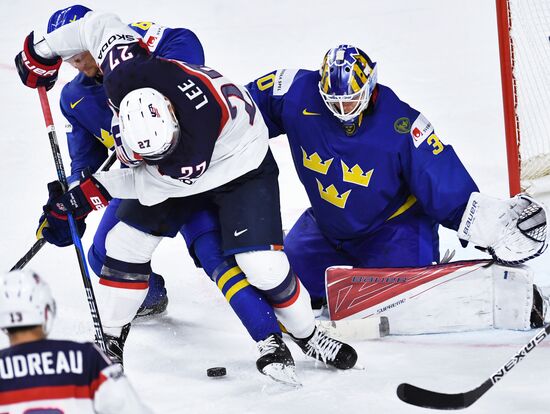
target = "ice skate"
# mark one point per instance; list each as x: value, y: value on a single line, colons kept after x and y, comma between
x: 276, y: 361
x: 115, y: 345
x: 328, y: 350
x: 156, y: 300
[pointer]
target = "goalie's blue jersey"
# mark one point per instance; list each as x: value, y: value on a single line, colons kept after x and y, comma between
x: 395, y: 164
x: 84, y: 103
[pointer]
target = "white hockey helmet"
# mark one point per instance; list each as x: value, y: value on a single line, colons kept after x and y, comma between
x: 148, y: 124
x: 25, y: 300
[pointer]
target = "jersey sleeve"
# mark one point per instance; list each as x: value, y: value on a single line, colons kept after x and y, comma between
x: 269, y: 93
x: 435, y: 174
x: 113, y: 393
x: 84, y: 149
x: 96, y: 32
x: 179, y: 43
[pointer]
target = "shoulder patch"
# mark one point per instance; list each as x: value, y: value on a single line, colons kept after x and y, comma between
x: 68, y: 127
x: 402, y: 125
x: 420, y: 130
x: 283, y: 81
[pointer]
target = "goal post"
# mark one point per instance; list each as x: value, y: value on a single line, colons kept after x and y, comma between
x: 524, y: 45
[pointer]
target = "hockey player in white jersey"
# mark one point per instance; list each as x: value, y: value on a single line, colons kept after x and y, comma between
x: 190, y: 134
x: 65, y: 376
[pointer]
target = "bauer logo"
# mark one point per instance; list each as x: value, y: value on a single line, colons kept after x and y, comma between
x: 97, y: 202
x: 420, y: 130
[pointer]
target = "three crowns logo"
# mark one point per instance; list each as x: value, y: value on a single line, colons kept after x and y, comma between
x: 356, y: 175
x: 331, y: 195
x: 315, y: 163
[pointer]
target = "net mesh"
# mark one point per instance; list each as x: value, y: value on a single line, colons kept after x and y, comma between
x: 530, y: 33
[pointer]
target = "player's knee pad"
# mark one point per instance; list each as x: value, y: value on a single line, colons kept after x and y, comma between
x: 265, y: 269
x: 270, y: 272
x: 128, y: 244
x: 128, y: 261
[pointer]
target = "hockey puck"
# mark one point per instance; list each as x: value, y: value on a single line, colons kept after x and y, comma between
x: 216, y: 372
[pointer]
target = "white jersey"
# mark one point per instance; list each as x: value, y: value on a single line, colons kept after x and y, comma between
x: 224, y: 134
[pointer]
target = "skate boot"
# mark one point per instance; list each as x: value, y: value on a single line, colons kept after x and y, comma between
x: 541, y: 303
x: 324, y: 348
x: 276, y: 361
x: 156, y: 300
x: 115, y: 345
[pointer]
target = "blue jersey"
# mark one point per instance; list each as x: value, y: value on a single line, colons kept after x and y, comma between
x: 84, y: 103
x: 394, y: 164
x: 58, y: 374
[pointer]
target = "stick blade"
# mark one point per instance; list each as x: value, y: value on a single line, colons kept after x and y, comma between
x: 430, y: 399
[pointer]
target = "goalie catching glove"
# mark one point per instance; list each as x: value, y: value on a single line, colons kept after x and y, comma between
x: 513, y: 231
x: 80, y: 200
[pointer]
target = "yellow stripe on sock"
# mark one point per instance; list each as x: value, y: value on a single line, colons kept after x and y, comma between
x: 228, y: 275
x: 235, y: 288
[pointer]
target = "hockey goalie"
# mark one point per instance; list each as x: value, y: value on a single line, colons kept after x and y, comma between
x: 456, y: 296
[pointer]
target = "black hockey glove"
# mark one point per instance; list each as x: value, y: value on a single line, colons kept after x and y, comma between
x: 35, y: 70
x: 81, y: 200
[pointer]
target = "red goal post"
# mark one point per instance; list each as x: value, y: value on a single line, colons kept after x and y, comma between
x: 524, y: 44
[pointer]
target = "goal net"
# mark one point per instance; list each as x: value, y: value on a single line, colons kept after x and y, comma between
x: 524, y: 41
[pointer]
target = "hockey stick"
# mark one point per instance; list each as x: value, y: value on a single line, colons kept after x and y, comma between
x: 41, y: 242
x: 99, y: 335
x: 21, y: 263
x: 431, y: 399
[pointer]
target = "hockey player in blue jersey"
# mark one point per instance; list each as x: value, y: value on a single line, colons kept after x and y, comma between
x: 64, y: 376
x: 84, y: 104
x: 379, y: 179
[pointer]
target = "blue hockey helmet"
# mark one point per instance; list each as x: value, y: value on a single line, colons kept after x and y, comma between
x: 66, y: 16
x: 348, y: 78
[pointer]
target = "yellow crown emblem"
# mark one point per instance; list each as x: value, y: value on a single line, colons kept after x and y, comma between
x: 315, y: 163
x: 331, y: 195
x: 356, y: 175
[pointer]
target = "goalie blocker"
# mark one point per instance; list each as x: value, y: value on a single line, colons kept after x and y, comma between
x: 452, y: 297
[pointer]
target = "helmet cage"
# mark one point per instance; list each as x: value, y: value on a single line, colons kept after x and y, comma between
x: 335, y: 102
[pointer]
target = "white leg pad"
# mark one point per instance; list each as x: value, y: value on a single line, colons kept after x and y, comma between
x: 118, y: 306
x: 264, y: 269
x: 131, y: 245
x: 267, y: 269
x: 298, y: 318
x: 513, y: 297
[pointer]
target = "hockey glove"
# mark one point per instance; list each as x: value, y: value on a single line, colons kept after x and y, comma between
x: 56, y: 231
x: 81, y: 200
x: 513, y: 231
x: 35, y: 70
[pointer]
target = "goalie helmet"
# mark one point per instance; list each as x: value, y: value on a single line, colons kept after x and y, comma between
x: 25, y: 300
x: 348, y: 79
x: 65, y: 16
x: 148, y: 124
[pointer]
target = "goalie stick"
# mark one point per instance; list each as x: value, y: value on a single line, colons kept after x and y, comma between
x: 98, y: 327
x: 422, y: 397
x: 21, y: 263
